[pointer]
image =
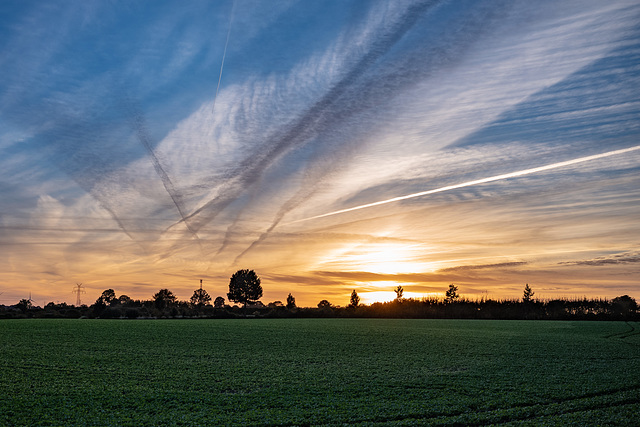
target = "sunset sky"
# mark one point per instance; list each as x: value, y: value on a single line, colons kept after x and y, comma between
x: 148, y: 145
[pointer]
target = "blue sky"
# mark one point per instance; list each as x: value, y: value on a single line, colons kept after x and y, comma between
x: 132, y: 157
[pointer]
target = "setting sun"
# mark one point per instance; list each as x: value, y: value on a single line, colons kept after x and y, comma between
x: 382, y: 258
x: 372, y: 296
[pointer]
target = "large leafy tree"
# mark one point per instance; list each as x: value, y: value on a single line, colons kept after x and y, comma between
x: 244, y: 287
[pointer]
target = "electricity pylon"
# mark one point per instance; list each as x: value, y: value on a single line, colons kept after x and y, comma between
x: 78, y: 289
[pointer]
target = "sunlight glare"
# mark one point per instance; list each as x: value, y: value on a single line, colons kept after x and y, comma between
x: 381, y: 258
x: 387, y: 296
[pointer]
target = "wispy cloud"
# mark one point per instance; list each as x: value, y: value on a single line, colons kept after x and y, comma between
x: 485, y: 266
x: 114, y: 162
x: 625, y: 258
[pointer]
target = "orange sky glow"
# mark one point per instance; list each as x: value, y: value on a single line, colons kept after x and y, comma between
x: 353, y: 146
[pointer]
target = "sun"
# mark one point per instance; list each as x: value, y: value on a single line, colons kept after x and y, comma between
x: 376, y: 296
x: 384, y: 292
x: 379, y: 258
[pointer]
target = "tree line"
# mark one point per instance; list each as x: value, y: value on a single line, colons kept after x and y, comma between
x: 245, y: 289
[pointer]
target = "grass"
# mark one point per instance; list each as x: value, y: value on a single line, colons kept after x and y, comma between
x: 318, y: 371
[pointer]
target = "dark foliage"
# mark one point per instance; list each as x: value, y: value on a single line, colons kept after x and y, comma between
x: 108, y: 296
x: 164, y: 298
x: 165, y: 305
x: 200, y: 297
x: 354, y: 301
x: 399, y: 292
x: 324, y: 304
x: 452, y: 294
x: 244, y: 287
x: 291, y: 302
x: 219, y: 302
x: 527, y: 295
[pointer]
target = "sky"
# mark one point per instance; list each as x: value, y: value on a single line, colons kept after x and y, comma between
x: 329, y: 145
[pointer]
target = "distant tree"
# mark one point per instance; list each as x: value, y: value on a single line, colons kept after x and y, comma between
x: 624, y: 305
x: 218, y: 302
x: 107, y: 297
x: 324, y: 304
x: 200, y: 297
x: 399, y: 292
x: 244, y: 287
x: 291, y: 301
x: 163, y: 298
x: 527, y: 296
x: 556, y: 309
x: 124, y: 299
x: 24, y: 304
x: 355, y: 299
x: 451, y: 294
x: 275, y: 304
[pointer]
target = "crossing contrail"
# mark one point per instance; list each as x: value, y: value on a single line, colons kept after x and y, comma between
x: 477, y: 181
x: 138, y: 124
x: 338, y: 103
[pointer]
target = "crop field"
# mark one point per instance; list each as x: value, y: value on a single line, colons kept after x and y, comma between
x: 318, y: 372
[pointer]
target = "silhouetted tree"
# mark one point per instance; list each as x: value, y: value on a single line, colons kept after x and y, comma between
x: 124, y: 299
x: 244, y: 287
x: 107, y: 297
x: 275, y: 304
x: 355, y: 299
x: 527, y: 296
x: 200, y: 297
x: 452, y: 294
x: 24, y: 304
x: 624, y: 306
x: 218, y: 302
x: 399, y: 292
x: 556, y: 309
x: 291, y: 301
x: 163, y: 298
x: 324, y: 304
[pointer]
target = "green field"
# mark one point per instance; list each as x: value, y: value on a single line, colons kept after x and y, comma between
x: 318, y: 371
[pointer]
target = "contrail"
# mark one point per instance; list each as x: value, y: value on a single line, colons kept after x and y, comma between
x: 478, y: 181
x: 224, y: 54
x: 309, y: 185
x: 138, y: 123
x: 311, y: 120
